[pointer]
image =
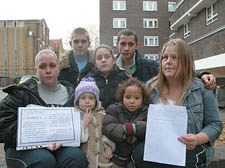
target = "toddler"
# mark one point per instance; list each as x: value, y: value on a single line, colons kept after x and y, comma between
x: 125, y: 122
x: 97, y: 147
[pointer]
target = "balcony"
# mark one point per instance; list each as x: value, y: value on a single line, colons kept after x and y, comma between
x: 192, y: 12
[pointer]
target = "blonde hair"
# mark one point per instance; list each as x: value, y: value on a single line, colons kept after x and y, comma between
x: 80, y: 30
x: 45, y: 51
x: 185, y: 60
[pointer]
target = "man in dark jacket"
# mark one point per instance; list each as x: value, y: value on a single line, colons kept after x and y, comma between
x: 46, y: 92
x: 144, y: 69
x: 78, y: 62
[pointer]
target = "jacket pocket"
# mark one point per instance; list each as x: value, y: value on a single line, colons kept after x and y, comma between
x: 196, y: 110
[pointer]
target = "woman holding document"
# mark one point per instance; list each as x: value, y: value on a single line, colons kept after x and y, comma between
x: 47, y: 92
x: 176, y: 84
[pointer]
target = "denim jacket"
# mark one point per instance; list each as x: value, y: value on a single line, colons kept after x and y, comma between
x: 203, y: 114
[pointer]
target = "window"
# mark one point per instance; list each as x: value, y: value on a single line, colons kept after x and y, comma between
x: 150, y: 23
x: 152, y: 56
x: 119, y: 23
x: 171, y: 6
x: 43, y: 28
x: 14, y: 23
x: 114, y: 41
x: 149, y: 5
x: 151, y: 41
x: 5, y: 24
x: 211, y: 14
x: 119, y: 5
x: 187, y: 32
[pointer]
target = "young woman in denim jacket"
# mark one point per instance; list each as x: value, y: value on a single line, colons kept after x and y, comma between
x: 176, y: 84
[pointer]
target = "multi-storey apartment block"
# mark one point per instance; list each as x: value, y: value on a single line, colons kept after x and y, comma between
x: 201, y: 23
x: 20, y: 41
x: 148, y: 18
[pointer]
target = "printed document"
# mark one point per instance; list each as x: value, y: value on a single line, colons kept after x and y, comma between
x: 40, y: 127
x: 165, y: 124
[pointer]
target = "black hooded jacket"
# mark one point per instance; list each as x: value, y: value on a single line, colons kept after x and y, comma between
x: 20, y: 96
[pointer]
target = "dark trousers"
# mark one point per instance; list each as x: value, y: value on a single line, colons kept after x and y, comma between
x: 65, y: 157
x: 194, y: 159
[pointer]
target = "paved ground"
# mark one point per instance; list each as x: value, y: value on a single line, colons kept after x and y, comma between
x: 219, y: 146
x: 2, y: 157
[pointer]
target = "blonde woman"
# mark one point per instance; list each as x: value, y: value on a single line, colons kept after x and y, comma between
x: 176, y: 84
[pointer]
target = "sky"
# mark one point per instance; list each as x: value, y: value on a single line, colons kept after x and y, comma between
x: 61, y: 16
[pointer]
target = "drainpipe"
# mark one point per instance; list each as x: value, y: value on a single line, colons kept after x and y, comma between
x: 5, y: 49
x: 15, y: 52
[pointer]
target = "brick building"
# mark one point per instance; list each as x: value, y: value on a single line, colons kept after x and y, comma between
x: 57, y: 46
x: 201, y: 23
x: 20, y: 41
x: 148, y: 18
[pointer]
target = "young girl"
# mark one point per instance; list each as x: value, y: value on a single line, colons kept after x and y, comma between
x: 125, y: 123
x: 107, y: 75
x: 97, y: 147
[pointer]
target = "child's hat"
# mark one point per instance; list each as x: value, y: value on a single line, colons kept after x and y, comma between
x: 87, y: 85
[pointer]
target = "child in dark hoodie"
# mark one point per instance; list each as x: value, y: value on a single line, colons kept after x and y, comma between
x: 125, y: 122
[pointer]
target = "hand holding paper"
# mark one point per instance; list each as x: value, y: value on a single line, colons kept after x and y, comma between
x: 164, y: 125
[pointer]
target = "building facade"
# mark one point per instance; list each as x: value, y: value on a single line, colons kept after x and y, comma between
x: 201, y: 23
x: 20, y: 41
x: 57, y: 46
x: 148, y: 18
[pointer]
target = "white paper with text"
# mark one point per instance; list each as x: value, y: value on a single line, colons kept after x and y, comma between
x: 40, y: 127
x: 165, y: 124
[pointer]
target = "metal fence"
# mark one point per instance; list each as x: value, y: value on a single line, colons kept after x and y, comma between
x: 4, y: 81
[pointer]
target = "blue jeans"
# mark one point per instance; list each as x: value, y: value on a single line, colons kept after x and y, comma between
x: 64, y: 157
x: 194, y: 159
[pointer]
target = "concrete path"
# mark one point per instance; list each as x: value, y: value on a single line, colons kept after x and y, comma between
x: 2, y: 156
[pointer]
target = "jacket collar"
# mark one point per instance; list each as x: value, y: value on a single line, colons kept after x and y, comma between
x: 119, y: 60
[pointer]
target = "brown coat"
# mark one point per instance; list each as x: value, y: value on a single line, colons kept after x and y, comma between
x: 93, y: 142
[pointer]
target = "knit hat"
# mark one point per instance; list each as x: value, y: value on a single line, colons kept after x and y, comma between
x: 87, y: 85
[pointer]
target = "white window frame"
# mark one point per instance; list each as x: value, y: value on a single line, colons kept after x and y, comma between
x: 187, y: 31
x: 150, y: 23
x: 151, y: 39
x: 149, y: 5
x: 118, y: 5
x: 171, y: 6
x: 180, y: 3
x: 211, y: 15
x: 152, y: 56
x: 119, y: 23
x: 115, y: 41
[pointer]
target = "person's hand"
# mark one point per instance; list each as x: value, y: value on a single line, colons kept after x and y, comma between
x: 54, y: 147
x: 209, y: 80
x: 88, y: 115
x: 190, y: 140
x: 108, y: 152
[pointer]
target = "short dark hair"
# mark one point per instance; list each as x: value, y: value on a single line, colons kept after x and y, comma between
x: 134, y: 82
x: 127, y: 32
